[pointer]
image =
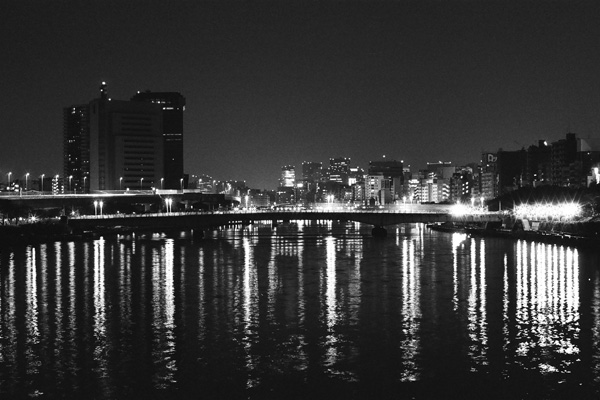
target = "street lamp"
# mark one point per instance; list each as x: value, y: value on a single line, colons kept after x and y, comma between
x: 42, y: 186
x: 8, y: 185
x: 96, y: 207
x: 100, y: 204
x: 70, y: 179
x: 84, y: 178
x: 26, y: 178
x: 121, y: 183
x: 141, y: 180
x: 161, y: 183
x: 168, y: 203
x: 181, y: 183
x: 481, y: 201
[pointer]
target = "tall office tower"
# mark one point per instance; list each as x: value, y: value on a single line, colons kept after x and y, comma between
x: 76, y: 147
x: 339, y: 169
x: 288, y: 176
x: 173, y: 105
x: 126, y: 144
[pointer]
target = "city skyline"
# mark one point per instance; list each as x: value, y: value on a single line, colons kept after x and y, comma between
x: 270, y: 85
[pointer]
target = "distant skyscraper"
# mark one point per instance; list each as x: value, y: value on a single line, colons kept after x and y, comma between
x: 288, y: 176
x: 76, y: 146
x: 339, y: 169
x: 173, y: 105
x: 312, y: 171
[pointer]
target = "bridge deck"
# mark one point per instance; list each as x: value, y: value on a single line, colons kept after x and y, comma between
x: 212, y: 219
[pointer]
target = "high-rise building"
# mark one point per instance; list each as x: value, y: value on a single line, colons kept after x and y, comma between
x: 76, y: 146
x: 339, y: 169
x: 288, y: 176
x: 126, y: 144
x: 173, y: 106
x: 119, y: 145
x: 312, y: 171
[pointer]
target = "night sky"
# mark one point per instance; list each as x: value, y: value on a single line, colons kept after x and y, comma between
x: 272, y: 84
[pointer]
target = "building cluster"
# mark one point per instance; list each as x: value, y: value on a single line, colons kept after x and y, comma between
x: 123, y: 145
x: 571, y: 162
x: 137, y: 144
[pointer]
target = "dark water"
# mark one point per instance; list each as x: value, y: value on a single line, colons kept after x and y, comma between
x: 306, y: 311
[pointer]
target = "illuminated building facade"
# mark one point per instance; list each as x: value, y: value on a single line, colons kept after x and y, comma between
x: 288, y: 176
x: 173, y: 106
x: 286, y: 192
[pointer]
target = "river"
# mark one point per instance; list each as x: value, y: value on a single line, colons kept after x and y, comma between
x: 306, y: 310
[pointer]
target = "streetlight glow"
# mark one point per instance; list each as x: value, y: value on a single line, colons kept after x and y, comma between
x: 26, y: 179
x: 121, y: 183
x: 141, y: 180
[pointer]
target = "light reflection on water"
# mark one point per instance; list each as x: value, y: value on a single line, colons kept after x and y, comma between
x: 308, y: 306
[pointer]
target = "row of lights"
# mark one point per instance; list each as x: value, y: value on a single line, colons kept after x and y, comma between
x: 9, y: 174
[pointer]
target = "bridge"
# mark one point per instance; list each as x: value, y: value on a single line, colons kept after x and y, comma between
x: 378, y: 218
x: 89, y: 212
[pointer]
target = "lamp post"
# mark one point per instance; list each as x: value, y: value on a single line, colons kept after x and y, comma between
x: 96, y: 207
x: 8, y: 183
x: 481, y: 201
x: 181, y: 183
x: 70, y: 179
x: 84, y: 178
x: 42, y: 185
x: 26, y: 179
x: 161, y: 183
x: 121, y: 183
x: 141, y: 180
x: 100, y: 203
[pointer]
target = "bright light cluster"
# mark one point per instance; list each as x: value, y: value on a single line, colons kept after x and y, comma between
x: 462, y: 209
x: 547, y: 211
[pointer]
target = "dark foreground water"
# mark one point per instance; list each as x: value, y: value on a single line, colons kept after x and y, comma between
x: 305, y: 311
